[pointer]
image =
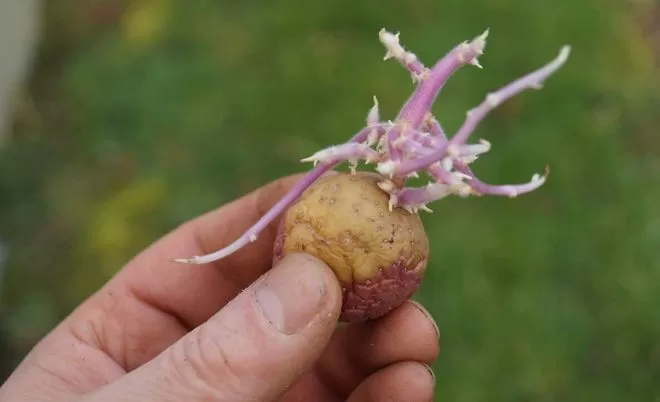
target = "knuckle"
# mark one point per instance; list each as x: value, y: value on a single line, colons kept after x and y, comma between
x: 203, y: 365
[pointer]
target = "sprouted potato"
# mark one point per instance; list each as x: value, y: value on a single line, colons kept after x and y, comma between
x: 365, y: 225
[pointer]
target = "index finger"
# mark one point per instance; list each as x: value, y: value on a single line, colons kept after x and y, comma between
x: 153, y: 301
x: 194, y: 293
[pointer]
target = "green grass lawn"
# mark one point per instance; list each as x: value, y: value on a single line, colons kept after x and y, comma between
x: 139, y: 118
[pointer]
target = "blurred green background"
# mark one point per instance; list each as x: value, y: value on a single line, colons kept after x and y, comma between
x: 138, y: 115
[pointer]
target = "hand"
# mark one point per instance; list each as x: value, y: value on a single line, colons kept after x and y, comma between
x: 235, y: 330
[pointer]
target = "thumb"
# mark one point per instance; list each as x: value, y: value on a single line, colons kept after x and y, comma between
x: 253, y: 349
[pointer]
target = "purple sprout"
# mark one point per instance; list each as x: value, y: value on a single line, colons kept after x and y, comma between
x: 414, y: 142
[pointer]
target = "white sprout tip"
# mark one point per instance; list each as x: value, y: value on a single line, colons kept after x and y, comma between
x: 352, y: 165
x: 539, y: 178
x: 561, y: 58
x: 374, y: 115
x: 425, y: 208
x: 564, y: 52
x: 391, y: 43
x: 479, y: 43
x: 484, y: 34
x: 386, y: 168
x: 461, y: 176
x: 196, y: 260
x: 475, y: 62
x: 185, y: 260
x: 394, y: 200
x: 319, y: 156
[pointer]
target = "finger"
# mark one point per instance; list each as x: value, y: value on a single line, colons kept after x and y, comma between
x: 403, y: 381
x: 251, y: 350
x: 153, y: 301
x: 194, y: 293
x: 356, y: 351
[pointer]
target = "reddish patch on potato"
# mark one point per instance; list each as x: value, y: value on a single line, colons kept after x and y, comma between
x: 378, y: 255
x: 376, y: 297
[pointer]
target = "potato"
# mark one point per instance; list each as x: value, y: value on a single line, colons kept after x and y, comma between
x: 365, y: 226
x: 378, y: 255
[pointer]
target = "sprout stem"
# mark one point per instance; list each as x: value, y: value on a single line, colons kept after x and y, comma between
x: 414, y: 142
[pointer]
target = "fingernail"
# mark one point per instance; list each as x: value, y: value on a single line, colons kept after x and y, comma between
x: 290, y: 295
x: 430, y: 370
x: 428, y: 316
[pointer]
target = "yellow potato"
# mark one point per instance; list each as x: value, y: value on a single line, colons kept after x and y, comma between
x: 378, y: 255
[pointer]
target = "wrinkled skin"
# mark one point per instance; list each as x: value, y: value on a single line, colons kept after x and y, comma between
x: 378, y: 255
x: 157, y: 332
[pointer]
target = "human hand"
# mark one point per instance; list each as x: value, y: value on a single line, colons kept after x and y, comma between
x: 235, y: 330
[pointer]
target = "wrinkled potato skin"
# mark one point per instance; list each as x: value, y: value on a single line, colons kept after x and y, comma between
x: 378, y: 255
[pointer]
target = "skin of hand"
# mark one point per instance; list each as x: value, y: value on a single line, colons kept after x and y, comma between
x: 236, y: 330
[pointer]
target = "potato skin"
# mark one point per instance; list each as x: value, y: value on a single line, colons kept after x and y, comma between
x: 378, y: 255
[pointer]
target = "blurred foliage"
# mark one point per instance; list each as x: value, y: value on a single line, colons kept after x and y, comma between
x: 142, y: 114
